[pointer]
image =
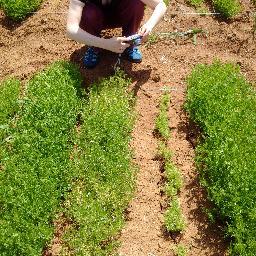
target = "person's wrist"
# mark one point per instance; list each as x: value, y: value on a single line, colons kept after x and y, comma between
x: 104, y: 44
x: 149, y: 27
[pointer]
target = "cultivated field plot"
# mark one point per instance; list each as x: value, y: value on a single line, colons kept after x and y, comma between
x: 158, y: 159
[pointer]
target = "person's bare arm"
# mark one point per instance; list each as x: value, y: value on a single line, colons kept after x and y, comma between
x: 159, y: 9
x: 74, y: 32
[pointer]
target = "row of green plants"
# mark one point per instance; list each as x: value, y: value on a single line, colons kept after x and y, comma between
x: 227, y: 8
x: 223, y: 104
x: 104, y: 179
x: 35, y: 164
x: 19, y: 9
x: 174, y: 220
x: 9, y: 95
x: 64, y: 151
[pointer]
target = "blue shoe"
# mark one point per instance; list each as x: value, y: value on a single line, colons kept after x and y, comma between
x: 133, y: 54
x: 91, y: 58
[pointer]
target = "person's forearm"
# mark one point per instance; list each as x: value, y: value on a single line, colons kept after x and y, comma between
x: 114, y: 44
x: 157, y: 15
x: 81, y: 36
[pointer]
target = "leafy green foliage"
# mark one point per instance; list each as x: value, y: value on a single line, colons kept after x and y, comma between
x: 152, y: 39
x: 104, y: 174
x: 173, y: 217
x: 36, y: 164
x: 162, y: 120
x: 221, y: 101
x: 227, y: 8
x: 180, y: 250
x: 174, y: 220
x: 174, y: 179
x: 9, y: 92
x: 164, y: 152
x: 19, y: 9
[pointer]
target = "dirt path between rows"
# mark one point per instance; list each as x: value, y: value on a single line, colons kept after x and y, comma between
x: 40, y: 40
x: 143, y: 234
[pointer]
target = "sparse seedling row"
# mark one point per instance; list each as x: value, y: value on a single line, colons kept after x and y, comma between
x: 189, y: 34
x: 36, y: 169
x: 224, y: 105
x: 162, y: 121
x: 174, y: 220
x: 104, y: 175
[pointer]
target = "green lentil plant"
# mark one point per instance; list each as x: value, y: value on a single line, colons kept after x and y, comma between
x: 9, y: 92
x: 164, y: 152
x: 104, y: 174
x: 180, y: 250
x: 19, y: 9
x: 174, y: 179
x: 191, y: 33
x: 227, y: 8
x: 223, y: 103
x: 152, y: 39
x: 162, y: 119
x: 36, y: 170
x: 174, y: 220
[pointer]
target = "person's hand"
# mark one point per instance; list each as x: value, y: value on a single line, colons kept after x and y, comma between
x: 145, y: 31
x: 116, y: 44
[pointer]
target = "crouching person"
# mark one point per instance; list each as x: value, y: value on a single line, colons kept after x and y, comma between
x: 87, y: 18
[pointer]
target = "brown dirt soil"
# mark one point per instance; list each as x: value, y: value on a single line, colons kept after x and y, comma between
x: 40, y: 40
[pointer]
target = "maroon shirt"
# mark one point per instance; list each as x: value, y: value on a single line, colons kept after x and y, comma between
x: 99, y: 2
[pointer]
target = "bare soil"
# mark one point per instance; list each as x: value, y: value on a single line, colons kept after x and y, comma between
x: 35, y: 43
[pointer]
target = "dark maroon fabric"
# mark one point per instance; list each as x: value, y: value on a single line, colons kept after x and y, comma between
x: 99, y: 2
x: 127, y: 14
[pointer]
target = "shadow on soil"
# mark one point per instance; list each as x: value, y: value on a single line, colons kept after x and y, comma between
x: 105, y: 68
x: 210, y: 234
x: 8, y: 23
